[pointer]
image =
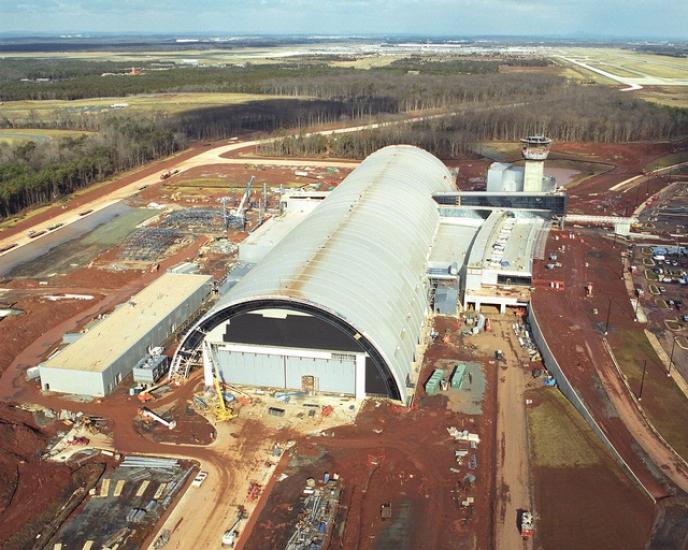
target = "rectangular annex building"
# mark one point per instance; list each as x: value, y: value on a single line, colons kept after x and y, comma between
x: 96, y: 363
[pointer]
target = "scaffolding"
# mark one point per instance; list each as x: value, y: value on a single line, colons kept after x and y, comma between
x: 149, y: 244
x: 195, y: 220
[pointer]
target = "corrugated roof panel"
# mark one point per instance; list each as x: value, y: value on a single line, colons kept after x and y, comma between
x: 362, y: 253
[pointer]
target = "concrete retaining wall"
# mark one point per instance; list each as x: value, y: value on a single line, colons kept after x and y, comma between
x: 567, y: 389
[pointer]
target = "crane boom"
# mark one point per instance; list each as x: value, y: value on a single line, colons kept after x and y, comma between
x: 244, y: 198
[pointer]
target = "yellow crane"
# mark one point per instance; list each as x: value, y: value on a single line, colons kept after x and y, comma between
x: 221, y: 411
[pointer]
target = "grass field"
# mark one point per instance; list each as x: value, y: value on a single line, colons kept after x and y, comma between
x: 669, y: 96
x: 367, y: 62
x: 201, y: 56
x: 168, y: 103
x: 82, y: 250
x: 668, y: 160
x: 17, y: 135
x: 663, y: 402
x: 583, y: 499
x: 554, y: 420
x: 630, y: 63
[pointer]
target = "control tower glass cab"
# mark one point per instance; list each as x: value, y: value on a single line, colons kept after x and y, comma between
x: 534, y: 150
x: 535, y: 147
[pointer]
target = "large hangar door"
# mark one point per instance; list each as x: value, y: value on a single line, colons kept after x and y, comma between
x: 336, y: 375
x: 252, y: 369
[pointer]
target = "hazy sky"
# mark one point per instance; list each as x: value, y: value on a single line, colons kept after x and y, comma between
x: 655, y: 18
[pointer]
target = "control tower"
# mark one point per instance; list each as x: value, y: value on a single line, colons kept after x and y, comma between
x: 534, y: 150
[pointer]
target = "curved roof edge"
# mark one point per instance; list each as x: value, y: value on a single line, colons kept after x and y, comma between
x: 361, y: 255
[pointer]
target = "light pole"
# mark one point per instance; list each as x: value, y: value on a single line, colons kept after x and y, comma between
x: 609, y: 312
x: 642, y: 381
x: 671, y: 359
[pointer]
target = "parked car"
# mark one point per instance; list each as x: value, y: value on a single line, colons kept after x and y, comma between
x: 662, y: 289
x: 199, y: 479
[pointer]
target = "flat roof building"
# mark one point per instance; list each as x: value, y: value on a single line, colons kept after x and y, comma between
x: 103, y: 356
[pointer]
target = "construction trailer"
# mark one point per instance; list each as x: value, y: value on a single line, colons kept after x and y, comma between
x: 96, y: 363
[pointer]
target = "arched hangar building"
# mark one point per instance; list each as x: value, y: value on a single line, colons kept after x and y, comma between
x: 340, y: 304
x: 345, y: 283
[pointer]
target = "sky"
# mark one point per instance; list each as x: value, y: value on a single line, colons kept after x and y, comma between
x: 598, y: 18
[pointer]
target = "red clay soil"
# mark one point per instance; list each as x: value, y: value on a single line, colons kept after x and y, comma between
x: 407, y: 464
x: 40, y: 316
x: 76, y: 201
x: 29, y: 485
x: 37, y: 345
x: 472, y: 174
x: 573, y: 332
x: 191, y: 427
x: 237, y: 175
x: 593, y: 197
x: 587, y: 506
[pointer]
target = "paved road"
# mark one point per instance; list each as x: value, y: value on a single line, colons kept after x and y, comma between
x: 215, y: 156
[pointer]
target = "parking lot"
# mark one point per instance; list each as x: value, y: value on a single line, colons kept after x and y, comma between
x: 660, y: 277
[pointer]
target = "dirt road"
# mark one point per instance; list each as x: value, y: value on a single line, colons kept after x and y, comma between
x: 513, y: 485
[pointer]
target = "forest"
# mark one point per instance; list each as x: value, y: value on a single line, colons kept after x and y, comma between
x: 35, y: 174
x: 568, y: 113
x: 71, y: 79
x: 484, y: 105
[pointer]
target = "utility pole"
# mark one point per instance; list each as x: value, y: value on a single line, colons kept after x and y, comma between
x: 609, y: 312
x: 671, y: 359
x: 642, y: 381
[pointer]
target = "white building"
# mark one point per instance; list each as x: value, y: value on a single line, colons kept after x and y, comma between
x: 98, y: 361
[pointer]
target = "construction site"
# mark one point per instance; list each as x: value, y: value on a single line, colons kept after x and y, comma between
x: 233, y: 351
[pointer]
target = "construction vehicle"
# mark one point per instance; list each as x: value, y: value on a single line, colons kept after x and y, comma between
x: 526, y: 525
x: 221, y: 411
x: 230, y: 536
x: 146, y: 394
x: 169, y: 424
x: 237, y: 218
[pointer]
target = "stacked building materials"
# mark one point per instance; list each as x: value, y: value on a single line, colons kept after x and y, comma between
x: 432, y: 386
x: 458, y: 375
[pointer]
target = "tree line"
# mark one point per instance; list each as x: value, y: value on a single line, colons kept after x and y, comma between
x: 33, y: 174
x: 492, y: 106
x: 70, y: 80
x: 572, y: 113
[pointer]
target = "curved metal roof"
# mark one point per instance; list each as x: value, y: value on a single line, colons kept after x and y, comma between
x: 361, y: 255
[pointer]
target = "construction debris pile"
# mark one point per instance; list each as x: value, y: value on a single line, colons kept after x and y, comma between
x: 465, y: 454
x: 316, y: 521
x: 524, y: 340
